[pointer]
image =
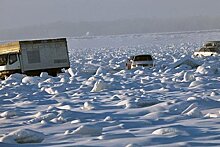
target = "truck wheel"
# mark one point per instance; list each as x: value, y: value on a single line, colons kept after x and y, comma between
x: 53, y: 73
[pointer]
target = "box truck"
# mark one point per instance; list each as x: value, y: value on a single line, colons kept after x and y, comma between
x: 32, y: 57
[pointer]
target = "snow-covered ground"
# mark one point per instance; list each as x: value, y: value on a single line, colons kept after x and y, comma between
x: 99, y: 103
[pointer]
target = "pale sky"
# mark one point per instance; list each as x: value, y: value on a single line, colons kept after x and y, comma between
x: 20, y: 13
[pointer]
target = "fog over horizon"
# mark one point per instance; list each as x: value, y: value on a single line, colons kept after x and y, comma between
x: 50, y: 18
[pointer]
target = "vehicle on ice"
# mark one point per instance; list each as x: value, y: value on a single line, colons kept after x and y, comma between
x: 34, y: 56
x: 211, y: 48
x: 139, y: 60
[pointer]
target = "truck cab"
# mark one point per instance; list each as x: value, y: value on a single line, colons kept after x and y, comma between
x: 9, y: 63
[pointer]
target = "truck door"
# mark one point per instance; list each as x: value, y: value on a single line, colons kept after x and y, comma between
x: 13, y: 61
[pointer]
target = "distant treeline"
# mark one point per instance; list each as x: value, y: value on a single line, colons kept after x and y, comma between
x: 137, y: 26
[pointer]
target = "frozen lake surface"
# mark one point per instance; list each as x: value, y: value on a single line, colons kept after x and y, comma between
x: 97, y: 102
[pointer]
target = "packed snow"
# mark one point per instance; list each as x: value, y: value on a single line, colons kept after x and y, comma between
x: 97, y: 102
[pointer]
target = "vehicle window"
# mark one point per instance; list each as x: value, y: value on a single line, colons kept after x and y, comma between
x: 143, y: 58
x: 3, y: 59
x: 12, y: 58
x: 202, y: 50
x: 206, y: 50
x: 208, y: 44
x: 213, y: 50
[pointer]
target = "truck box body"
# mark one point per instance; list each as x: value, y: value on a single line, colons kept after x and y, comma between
x: 44, y: 54
x: 39, y: 55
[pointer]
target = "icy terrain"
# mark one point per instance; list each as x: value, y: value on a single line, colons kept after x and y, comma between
x: 97, y: 102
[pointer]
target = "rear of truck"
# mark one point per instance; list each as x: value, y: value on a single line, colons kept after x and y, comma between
x: 49, y: 55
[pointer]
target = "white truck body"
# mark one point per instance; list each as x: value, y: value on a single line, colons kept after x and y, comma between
x: 34, y: 56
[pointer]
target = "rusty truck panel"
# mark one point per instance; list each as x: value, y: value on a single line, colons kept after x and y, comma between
x: 12, y: 47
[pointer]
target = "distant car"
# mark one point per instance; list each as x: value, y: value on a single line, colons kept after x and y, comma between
x: 211, y: 48
x: 139, y: 60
